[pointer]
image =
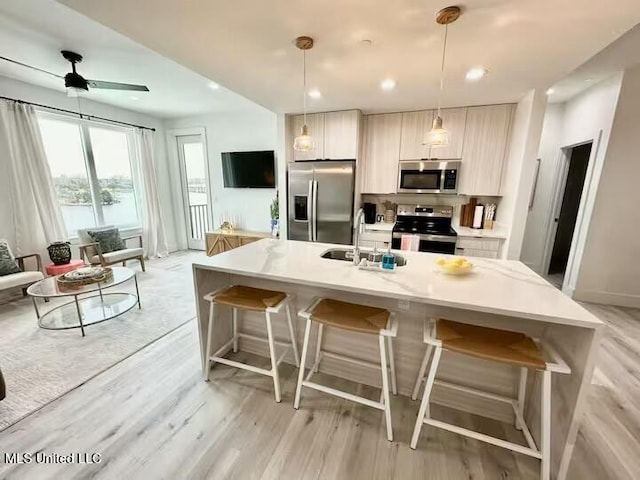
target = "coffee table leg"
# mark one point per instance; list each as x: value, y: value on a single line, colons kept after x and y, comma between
x: 75, y: 297
x: 35, y: 305
x: 135, y: 279
x: 100, y: 291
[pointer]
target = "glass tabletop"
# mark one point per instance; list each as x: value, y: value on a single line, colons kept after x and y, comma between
x: 49, y: 287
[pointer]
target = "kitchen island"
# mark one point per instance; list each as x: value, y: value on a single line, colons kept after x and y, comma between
x: 499, y: 294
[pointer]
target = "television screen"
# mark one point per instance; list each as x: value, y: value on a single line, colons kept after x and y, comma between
x: 249, y: 169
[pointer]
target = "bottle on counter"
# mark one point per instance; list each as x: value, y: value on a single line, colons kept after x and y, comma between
x: 389, y: 260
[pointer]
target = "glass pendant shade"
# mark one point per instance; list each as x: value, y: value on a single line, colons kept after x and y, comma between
x: 437, y: 136
x: 304, y: 142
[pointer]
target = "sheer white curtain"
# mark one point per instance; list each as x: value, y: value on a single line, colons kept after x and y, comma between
x: 36, y: 216
x: 154, y: 239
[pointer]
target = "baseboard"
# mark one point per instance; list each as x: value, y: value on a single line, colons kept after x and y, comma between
x: 608, y: 298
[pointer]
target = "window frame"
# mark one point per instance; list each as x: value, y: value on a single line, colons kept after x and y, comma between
x: 90, y: 164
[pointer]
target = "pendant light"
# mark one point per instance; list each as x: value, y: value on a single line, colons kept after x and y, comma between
x: 304, y: 142
x: 438, y: 136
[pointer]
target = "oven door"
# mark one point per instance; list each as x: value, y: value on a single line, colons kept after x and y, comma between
x: 428, y: 243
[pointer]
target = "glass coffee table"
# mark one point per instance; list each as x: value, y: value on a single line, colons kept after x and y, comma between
x: 91, y: 304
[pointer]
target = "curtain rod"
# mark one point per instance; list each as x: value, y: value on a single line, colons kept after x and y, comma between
x: 81, y: 115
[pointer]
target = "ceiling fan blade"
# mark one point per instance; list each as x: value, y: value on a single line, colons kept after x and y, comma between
x: 117, y: 86
x: 31, y: 67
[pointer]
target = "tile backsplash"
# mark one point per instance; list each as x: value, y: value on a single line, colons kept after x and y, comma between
x: 429, y: 199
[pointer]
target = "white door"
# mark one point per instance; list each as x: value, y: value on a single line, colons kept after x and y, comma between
x: 195, y: 188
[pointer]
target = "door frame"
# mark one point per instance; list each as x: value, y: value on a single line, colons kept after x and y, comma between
x: 176, y: 172
x: 585, y: 209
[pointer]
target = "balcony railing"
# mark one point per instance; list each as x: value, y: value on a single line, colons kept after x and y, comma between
x: 199, y: 219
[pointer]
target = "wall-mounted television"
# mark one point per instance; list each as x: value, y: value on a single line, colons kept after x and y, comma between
x: 249, y: 169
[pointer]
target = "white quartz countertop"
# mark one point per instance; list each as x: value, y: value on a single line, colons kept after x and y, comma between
x: 379, y: 226
x: 497, y: 231
x: 502, y: 287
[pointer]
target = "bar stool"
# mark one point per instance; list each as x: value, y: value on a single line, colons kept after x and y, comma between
x: 240, y: 297
x: 355, y: 318
x: 502, y: 346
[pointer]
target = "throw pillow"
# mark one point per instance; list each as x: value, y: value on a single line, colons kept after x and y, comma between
x: 109, y: 240
x: 8, y: 264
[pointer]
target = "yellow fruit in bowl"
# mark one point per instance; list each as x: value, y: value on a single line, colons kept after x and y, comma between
x: 441, y: 261
x: 455, y: 266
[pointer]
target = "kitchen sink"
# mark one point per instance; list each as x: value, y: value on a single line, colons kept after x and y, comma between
x: 346, y: 255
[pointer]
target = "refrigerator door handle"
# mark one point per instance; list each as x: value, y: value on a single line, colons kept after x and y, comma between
x: 310, y: 211
x: 315, y: 210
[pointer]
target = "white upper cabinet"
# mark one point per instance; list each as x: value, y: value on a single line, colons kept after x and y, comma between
x: 485, y: 147
x: 455, y: 121
x: 414, y: 127
x: 341, y: 135
x: 315, y: 124
x: 335, y: 135
x: 381, y: 153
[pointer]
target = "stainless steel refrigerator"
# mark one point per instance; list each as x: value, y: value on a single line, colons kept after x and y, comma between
x: 320, y: 201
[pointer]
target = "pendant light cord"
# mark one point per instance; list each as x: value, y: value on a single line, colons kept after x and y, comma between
x: 444, y: 52
x: 304, y: 86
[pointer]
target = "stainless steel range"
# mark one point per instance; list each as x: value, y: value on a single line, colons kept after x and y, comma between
x: 431, y: 223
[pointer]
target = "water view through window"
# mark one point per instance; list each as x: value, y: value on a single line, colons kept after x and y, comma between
x: 94, y: 182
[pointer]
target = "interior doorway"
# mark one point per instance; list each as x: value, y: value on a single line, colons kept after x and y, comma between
x: 195, y: 188
x: 566, y: 212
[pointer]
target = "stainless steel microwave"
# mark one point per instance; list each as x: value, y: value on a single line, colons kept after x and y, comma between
x: 428, y: 176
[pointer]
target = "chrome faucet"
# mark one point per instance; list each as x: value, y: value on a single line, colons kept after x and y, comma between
x: 356, y: 237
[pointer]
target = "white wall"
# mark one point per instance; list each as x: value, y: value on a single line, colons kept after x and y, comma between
x: 540, y: 212
x: 255, y: 129
x: 610, y: 270
x: 32, y: 93
x: 519, y: 169
x: 586, y: 117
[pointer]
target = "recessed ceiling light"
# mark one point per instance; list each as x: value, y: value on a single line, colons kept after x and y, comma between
x: 132, y: 97
x: 551, y: 91
x: 476, y: 73
x: 314, y: 93
x: 588, y: 79
x: 213, y: 85
x: 388, y: 84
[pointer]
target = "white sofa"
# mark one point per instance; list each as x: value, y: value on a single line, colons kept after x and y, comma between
x: 90, y: 251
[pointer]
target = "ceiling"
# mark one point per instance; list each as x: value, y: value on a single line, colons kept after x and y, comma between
x: 247, y: 46
x: 34, y: 32
x: 620, y: 55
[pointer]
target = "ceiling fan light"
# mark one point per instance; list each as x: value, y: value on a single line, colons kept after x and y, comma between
x: 437, y: 136
x: 304, y: 142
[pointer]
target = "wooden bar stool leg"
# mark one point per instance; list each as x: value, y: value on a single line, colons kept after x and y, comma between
x: 421, y: 373
x: 385, y: 388
x: 392, y: 366
x: 292, y: 336
x: 303, y: 358
x: 425, y: 397
x: 316, y: 365
x: 545, y: 428
x: 235, y: 330
x: 522, y: 395
x: 274, y: 359
x: 205, y: 367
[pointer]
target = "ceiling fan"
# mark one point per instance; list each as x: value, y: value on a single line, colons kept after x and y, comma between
x: 76, y: 83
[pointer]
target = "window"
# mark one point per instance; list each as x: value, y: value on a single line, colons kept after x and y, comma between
x: 91, y: 165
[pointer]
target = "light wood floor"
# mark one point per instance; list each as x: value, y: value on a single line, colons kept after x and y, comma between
x: 151, y: 416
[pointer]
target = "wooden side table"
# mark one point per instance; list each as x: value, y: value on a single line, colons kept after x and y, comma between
x: 53, y: 269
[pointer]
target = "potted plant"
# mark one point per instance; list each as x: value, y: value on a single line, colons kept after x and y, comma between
x: 275, y: 216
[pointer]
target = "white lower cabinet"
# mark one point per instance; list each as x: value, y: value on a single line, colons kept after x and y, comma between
x: 372, y: 239
x: 478, y: 247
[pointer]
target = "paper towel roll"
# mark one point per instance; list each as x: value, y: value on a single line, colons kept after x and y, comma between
x: 477, y: 216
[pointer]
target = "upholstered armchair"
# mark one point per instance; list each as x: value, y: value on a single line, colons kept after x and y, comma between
x: 93, y: 252
x: 24, y: 277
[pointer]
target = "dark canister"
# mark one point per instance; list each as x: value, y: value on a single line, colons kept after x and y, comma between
x: 60, y: 252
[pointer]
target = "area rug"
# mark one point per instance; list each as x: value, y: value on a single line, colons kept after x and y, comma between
x: 41, y: 365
